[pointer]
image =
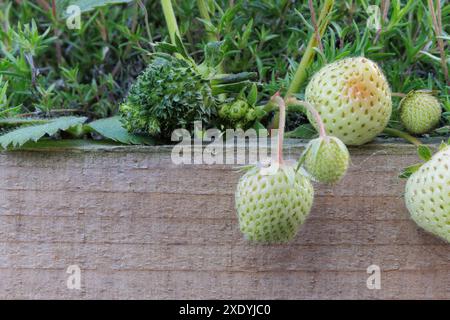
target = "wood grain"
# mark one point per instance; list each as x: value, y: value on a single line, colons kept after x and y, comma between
x: 141, y: 227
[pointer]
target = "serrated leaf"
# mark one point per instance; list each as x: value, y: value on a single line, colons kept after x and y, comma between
x: 424, y: 153
x: 408, y: 171
x: 112, y: 128
x: 17, y: 122
x: 52, y: 144
x: 19, y: 137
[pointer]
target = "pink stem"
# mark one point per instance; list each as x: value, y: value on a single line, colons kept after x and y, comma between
x: 282, y: 123
x: 313, y: 111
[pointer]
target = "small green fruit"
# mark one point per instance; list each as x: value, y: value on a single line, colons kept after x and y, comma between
x: 238, y: 110
x: 420, y: 112
x: 224, y: 110
x: 326, y: 159
x: 272, y: 206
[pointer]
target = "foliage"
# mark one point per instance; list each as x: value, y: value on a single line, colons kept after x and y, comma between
x: 32, y: 130
x: 19, y: 137
x: 49, y: 70
x: 174, y: 91
x: 112, y: 129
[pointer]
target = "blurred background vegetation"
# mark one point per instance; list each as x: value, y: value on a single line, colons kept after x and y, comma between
x: 47, y: 69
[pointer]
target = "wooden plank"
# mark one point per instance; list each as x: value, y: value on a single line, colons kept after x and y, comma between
x: 222, y: 285
x: 140, y: 227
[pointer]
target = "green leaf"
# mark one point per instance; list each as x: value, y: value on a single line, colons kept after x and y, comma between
x: 443, y: 130
x: 408, y: 171
x: 46, y: 144
x: 253, y: 95
x: 20, y: 136
x: 85, y: 5
x: 231, y: 87
x: 112, y: 128
x: 181, y: 49
x: 424, y: 153
x: 164, y: 47
x: 304, y: 131
x: 17, y: 122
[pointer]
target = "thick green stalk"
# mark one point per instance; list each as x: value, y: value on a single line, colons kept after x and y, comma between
x: 171, y: 20
x: 204, y: 14
x: 403, y: 135
x: 300, y: 74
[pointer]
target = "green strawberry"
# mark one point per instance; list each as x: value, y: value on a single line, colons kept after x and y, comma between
x: 272, y: 206
x: 420, y: 111
x: 353, y: 98
x: 427, y: 195
x: 238, y: 110
x: 326, y: 159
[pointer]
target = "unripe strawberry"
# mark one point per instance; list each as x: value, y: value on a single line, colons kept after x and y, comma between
x: 238, y: 110
x: 427, y: 195
x: 354, y: 99
x: 272, y: 206
x: 420, y: 112
x: 326, y: 159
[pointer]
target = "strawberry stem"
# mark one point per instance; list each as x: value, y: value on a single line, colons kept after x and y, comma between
x: 171, y: 20
x: 308, y: 57
x: 281, y: 125
x: 403, y: 135
x: 295, y: 102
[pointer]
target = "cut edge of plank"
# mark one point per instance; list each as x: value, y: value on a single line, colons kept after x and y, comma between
x: 388, y: 146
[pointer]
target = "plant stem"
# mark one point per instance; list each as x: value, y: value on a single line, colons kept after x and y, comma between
x: 57, y: 33
x: 313, y: 111
x: 403, y: 135
x: 281, y: 125
x: 204, y: 14
x: 436, y: 15
x: 171, y: 20
x: 314, y: 22
x: 147, y: 25
x: 308, y: 56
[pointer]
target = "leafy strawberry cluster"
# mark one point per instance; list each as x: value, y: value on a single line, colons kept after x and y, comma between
x: 273, y: 202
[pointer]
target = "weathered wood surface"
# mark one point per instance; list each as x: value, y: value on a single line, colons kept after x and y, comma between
x: 140, y: 227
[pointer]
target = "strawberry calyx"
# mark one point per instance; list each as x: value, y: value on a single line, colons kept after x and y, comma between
x: 425, y: 154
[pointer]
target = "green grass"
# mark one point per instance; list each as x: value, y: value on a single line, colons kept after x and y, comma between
x: 48, y: 70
